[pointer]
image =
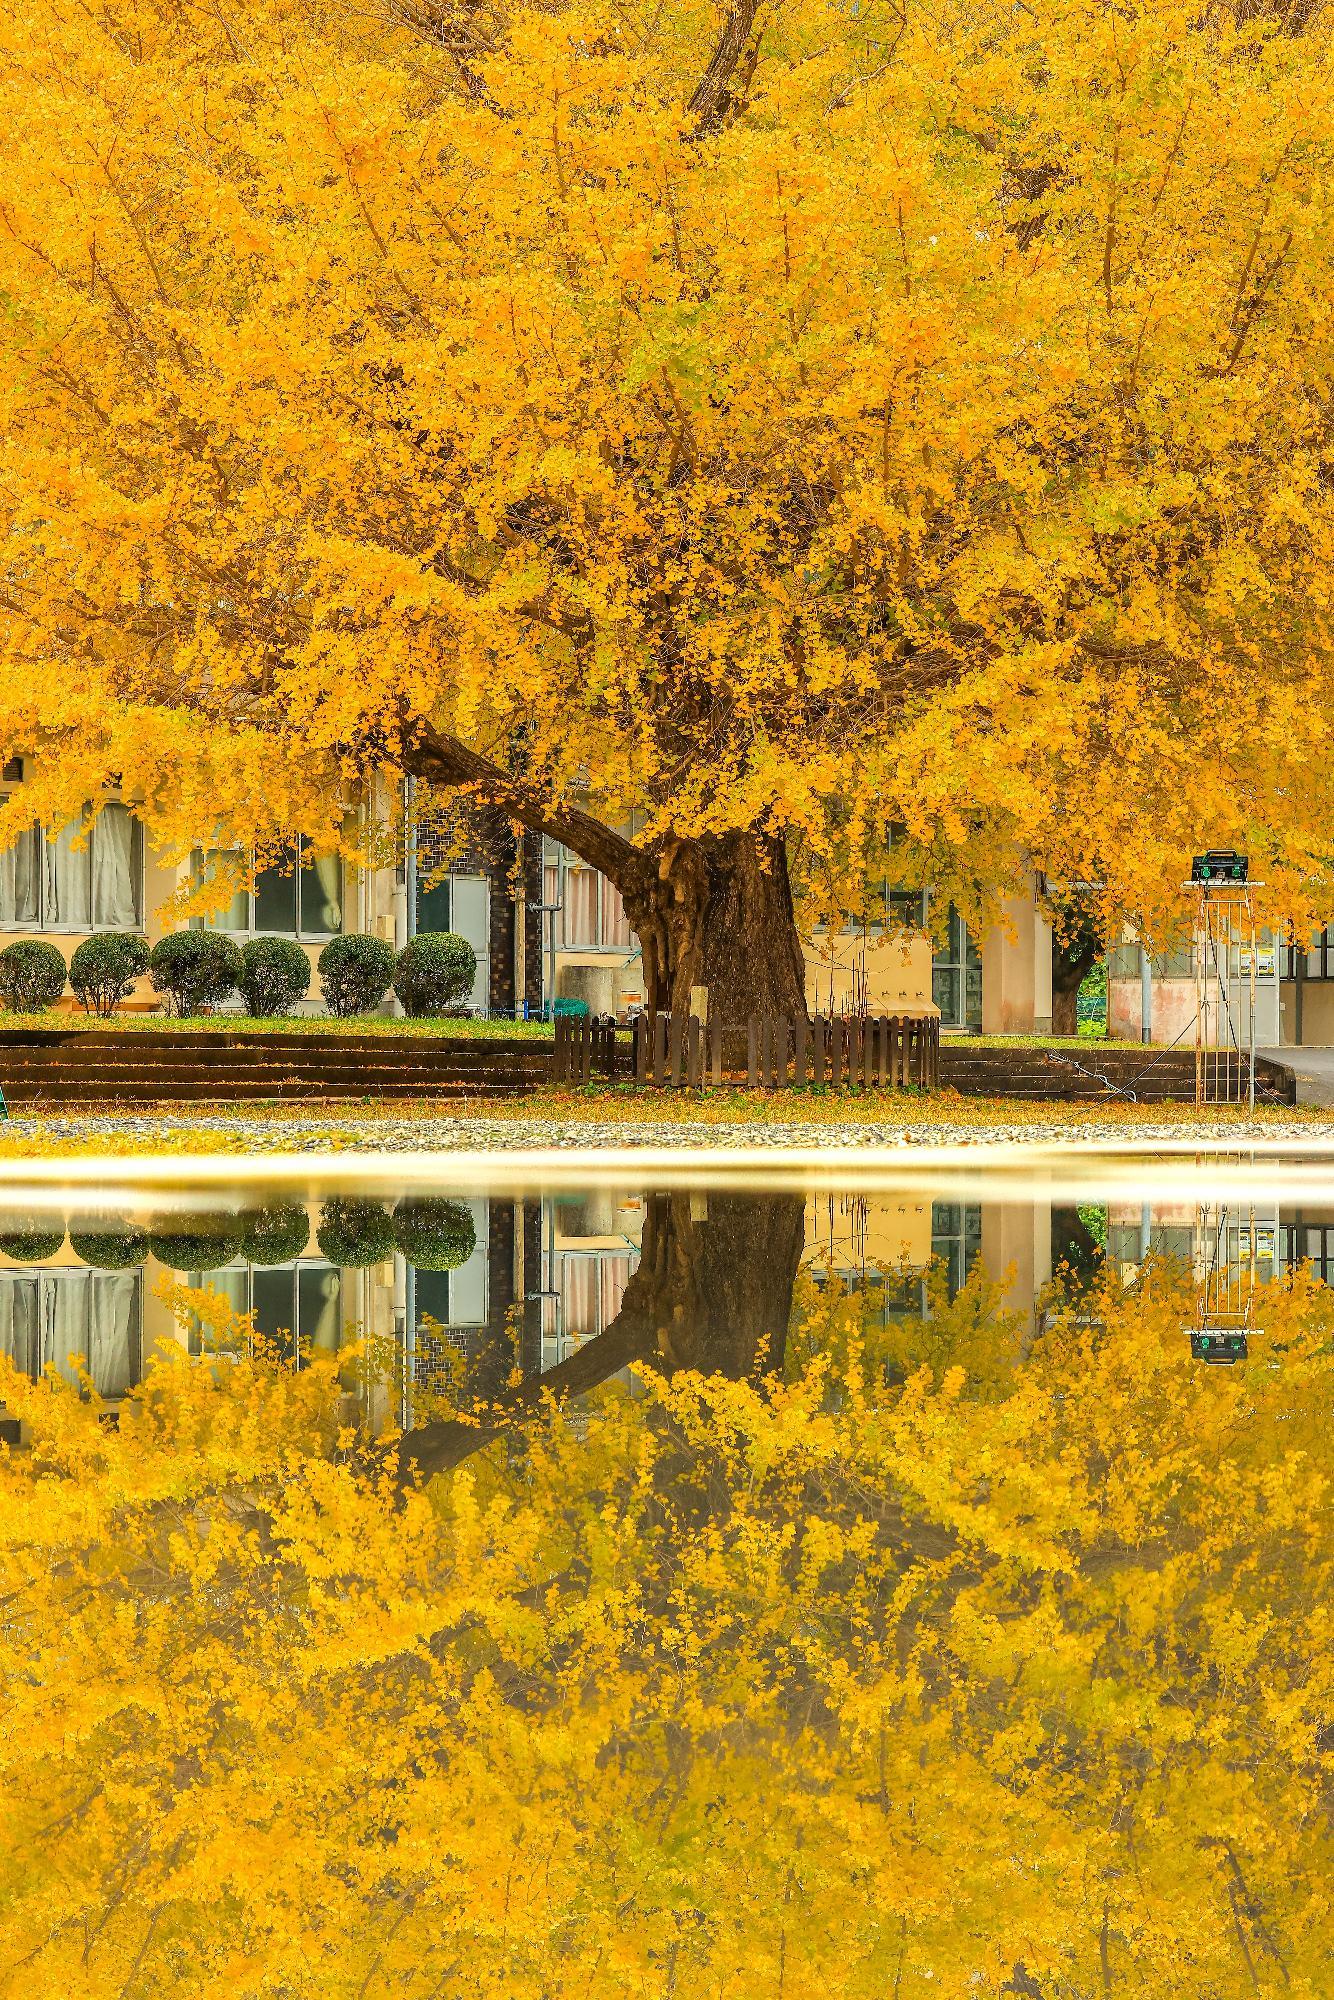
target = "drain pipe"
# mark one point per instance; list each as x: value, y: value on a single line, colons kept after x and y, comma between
x: 1145, y: 995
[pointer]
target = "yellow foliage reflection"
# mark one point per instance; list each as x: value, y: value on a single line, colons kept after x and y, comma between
x: 885, y: 1677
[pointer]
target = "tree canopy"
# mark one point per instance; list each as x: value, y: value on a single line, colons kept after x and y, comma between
x: 749, y: 428
x: 946, y: 1662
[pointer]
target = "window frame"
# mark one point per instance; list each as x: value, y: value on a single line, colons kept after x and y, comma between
x: 40, y: 926
x: 300, y: 935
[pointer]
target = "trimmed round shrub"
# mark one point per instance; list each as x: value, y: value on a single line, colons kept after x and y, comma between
x: 434, y: 1235
x: 32, y: 975
x: 104, y: 969
x: 355, y: 1233
x: 32, y: 1246
x: 206, y: 1244
x: 110, y: 1249
x: 275, y: 974
x: 435, y: 971
x: 275, y: 1235
x: 356, y: 971
x: 195, y: 969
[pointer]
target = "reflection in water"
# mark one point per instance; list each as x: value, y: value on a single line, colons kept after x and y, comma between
x: 923, y: 1624
x: 479, y: 1292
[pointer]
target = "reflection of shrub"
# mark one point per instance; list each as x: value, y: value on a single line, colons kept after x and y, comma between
x: 32, y: 975
x: 195, y: 969
x: 435, y: 972
x: 32, y: 1246
x: 355, y: 972
x: 275, y: 1235
x: 207, y: 1244
x: 355, y: 1233
x: 104, y: 968
x: 435, y: 1235
x: 275, y: 974
x: 110, y: 1249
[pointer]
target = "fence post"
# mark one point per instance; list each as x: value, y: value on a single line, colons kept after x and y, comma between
x: 558, y: 1052
x: 715, y: 1032
x: 694, y: 1067
x: 658, y: 1067
x: 641, y: 1049
x: 818, y: 1051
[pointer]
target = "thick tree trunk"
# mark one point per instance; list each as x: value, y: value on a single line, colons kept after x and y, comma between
x: 712, y: 1292
x: 718, y: 914
x: 714, y: 912
x: 1067, y: 976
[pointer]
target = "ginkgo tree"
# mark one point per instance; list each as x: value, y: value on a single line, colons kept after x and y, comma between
x: 712, y: 437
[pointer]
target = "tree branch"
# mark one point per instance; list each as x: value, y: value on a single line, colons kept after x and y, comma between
x: 444, y: 760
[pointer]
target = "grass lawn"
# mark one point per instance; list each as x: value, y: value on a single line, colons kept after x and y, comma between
x: 465, y: 1029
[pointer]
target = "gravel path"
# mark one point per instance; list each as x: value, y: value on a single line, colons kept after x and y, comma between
x: 462, y: 1133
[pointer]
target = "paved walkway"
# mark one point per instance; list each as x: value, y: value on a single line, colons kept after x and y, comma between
x: 1313, y: 1069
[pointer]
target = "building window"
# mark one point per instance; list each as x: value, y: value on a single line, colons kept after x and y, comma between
x: 1316, y: 962
x: 297, y: 1306
x: 461, y: 904
x: 48, y: 1315
x: 300, y: 896
x: 956, y: 976
x: 591, y: 914
x: 52, y: 884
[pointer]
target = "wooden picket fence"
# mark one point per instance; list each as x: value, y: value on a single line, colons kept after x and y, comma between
x: 887, y: 1052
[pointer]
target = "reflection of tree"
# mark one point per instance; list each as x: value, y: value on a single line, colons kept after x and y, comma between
x: 713, y: 1291
x: 816, y: 1684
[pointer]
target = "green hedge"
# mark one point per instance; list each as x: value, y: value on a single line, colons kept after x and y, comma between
x: 434, y: 1235
x: 356, y: 971
x: 32, y: 975
x: 355, y: 1233
x: 104, y: 969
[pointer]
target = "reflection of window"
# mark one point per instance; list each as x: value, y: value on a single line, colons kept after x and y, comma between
x: 54, y: 885
x: 956, y: 1240
x: 296, y: 1305
x: 47, y: 1316
x: 583, y: 1293
x: 300, y: 896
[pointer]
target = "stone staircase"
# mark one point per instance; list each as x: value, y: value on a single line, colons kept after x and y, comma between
x: 57, y: 1069
x: 1155, y: 1076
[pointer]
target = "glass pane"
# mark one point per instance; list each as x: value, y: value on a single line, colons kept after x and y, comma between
x: 430, y: 1290
x: 234, y: 915
x: 945, y: 994
x: 117, y: 850
x: 321, y: 893
x: 472, y: 919
x: 20, y: 1321
x: 467, y: 1285
x: 69, y: 879
x: 433, y: 905
x: 972, y: 1002
x: 275, y: 898
x: 20, y: 870
x: 317, y: 1314
x: 581, y: 906
x: 273, y: 1296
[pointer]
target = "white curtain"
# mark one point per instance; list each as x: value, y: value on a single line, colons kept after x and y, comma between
x: 20, y: 1317
x: 48, y: 1316
x: 317, y: 1303
x: 94, y: 1314
x: 115, y: 847
x: 581, y: 906
x: 615, y: 923
x: 321, y: 893
x: 19, y: 869
x: 69, y: 901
